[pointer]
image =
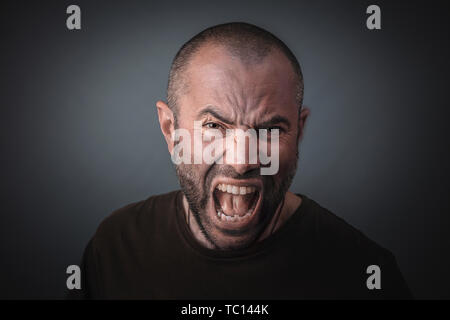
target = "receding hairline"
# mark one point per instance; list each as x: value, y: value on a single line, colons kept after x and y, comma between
x: 249, y: 43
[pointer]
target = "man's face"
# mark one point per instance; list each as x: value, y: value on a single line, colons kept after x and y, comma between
x: 233, y: 203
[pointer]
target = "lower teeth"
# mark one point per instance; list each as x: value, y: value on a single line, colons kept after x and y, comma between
x: 225, y: 217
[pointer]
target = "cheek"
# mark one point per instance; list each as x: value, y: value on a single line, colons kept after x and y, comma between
x: 200, y: 171
x: 288, y: 154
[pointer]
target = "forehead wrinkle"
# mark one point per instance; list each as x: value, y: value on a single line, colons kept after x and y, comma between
x: 251, y: 116
x: 238, y: 94
x: 239, y: 109
x: 240, y: 99
x: 231, y: 101
x: 235, y: 94
x: 250, y: 113
x: 225, y: 101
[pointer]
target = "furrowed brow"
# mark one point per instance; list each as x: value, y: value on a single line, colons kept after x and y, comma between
x: 213, y: 111
x: 274, y: 121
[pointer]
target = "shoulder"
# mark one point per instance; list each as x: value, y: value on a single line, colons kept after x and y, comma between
x: 135, y: 218
x: 351, y: 253
x: 333, y: 232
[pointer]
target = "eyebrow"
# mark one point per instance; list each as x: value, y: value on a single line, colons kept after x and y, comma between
x: 213, y: 111
x: 273, y: 121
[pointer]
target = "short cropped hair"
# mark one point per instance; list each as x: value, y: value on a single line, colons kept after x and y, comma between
x: 251, y: 44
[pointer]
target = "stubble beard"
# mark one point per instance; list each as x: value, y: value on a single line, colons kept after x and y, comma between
x: 197, y: 193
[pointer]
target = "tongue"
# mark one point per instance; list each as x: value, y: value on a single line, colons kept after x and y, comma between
x: 235, y: 204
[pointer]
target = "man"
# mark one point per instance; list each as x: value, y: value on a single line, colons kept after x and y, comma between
x: 233, y: 232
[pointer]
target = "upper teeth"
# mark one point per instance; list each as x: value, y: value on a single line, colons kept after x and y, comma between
x: 235, y: 189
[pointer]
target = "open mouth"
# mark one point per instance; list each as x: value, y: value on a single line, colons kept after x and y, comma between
x: 235, y: 203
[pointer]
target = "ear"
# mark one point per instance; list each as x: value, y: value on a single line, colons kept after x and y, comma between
x: 304, y: 113
x: 166, y: 122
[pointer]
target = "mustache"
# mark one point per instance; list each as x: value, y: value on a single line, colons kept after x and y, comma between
x: 229, y: 172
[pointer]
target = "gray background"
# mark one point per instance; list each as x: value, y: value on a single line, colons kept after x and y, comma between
x: 80, y: 138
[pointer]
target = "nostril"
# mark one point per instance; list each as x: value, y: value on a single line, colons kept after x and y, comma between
x: 247, y: 170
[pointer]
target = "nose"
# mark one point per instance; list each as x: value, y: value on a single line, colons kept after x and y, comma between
x: 241, y: 151
x: 242, y: 169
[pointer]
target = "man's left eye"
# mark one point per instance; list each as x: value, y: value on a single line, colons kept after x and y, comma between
x: 212, y: 125
x: 269, y: 130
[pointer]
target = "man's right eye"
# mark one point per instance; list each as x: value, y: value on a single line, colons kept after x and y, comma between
x: 212, y: 125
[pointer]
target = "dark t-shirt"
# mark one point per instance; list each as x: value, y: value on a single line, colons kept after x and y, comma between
x: 146, y: 251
